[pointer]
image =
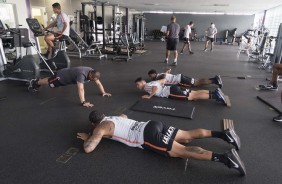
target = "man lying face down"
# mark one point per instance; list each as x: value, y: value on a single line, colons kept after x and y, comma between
x: 159, y: 89
x: 160, y: 138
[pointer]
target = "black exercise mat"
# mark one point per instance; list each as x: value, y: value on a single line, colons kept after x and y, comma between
x: 273, y: 99
x: 166, y: 107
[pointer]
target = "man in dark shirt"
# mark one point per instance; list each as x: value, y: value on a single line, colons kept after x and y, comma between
x: 172, y: 34
x: 76, y: 75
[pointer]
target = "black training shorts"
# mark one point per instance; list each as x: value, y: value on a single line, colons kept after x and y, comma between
x: 171, y: 44
x: 60, y: 36
x: 159, y: 137
x: 54, y: 81
x: 210, y: 39
x: 186, y: 40
x: 186, y: 81
x: 177, y: 92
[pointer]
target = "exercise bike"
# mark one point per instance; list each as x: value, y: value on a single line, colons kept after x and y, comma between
x: 23, y: 68
x: 60, y: 60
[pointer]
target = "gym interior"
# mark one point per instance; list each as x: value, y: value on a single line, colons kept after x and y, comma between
x: 123, y: 40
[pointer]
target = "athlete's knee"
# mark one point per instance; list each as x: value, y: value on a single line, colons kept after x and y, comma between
x: 173, y: 154
x: 192, y: 95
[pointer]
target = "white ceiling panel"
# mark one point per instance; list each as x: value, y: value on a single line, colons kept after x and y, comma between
x: 204, y: 6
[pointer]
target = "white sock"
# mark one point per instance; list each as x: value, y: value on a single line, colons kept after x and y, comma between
x: 166, y: 59
x: 175, y: 60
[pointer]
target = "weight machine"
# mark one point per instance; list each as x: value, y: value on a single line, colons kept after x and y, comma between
x: 78, y: 47
x: 23, y: 68
x: 230, y: 37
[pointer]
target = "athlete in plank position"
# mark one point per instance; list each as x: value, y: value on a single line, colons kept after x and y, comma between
x: 182, y: 80
x: 157, y: 88
x: 66, y: 76
x: 160, y: 138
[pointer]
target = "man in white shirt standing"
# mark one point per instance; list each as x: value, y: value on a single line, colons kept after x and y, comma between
x: 63, y: 25
x: 211, y: 32
x: 187, y: 33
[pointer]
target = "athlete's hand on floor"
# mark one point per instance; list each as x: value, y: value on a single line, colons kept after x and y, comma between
x: 82, y: 136
x: 146, y: 96
x: 107, y: 94
x: 88, y: 104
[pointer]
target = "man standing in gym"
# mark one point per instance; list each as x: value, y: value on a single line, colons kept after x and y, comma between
x: 187, y: 33
x: 211, y: 32
x: 62, y: 23
x: 172, y: 34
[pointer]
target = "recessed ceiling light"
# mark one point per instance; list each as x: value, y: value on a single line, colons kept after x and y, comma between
x: 215, y: 5
x: 151, y: 4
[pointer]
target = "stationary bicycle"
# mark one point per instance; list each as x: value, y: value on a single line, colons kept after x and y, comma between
x: 23, y: 68
x: 61, y: 60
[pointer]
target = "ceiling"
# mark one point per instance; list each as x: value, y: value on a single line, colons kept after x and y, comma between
x: 202, y: 6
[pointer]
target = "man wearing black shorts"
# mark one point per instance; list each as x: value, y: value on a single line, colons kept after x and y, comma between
x: 75, y: 75
x: 160, y: 138
x: 187, y: 33
x: 182, y: 80
x: 210, y: 32
x: 172, y: 34
x: 158, y: 89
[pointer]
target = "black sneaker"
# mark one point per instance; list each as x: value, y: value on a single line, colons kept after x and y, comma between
x: 235, y: 161
x: 271, y: 87
x: 233, y: 138
x: 191, y: 52
x: 181, y: 52
x: 278, y: 118
x: 218, y: 81
x: 174, y: 63
x: 205, y: 50
x: 268, y: 87
x: 33, y: 86
x: 220, y: 96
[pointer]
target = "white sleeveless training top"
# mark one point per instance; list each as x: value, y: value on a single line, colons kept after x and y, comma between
x: 163, y: 91
x: 127, y: 131
x: 171, y: 79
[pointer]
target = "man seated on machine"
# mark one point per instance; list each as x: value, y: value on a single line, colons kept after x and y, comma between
x: 75, y: 75
x: 160, y: 138
x: 158, y: 88
x: 182, y: 80
x: 62, y: 23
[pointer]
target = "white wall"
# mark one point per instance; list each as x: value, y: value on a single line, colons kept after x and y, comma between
x: 21, y: 12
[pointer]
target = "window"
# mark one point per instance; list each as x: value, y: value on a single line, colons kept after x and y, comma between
x: 273, y: 19
x: 258, y: 20
x: 7, y: 14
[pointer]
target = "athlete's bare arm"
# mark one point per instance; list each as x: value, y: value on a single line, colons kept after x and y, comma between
x: 124, y: 116
x: 154, y: 90
x: 101, y: 88
x: 80, y: 88
x: 104, y: 129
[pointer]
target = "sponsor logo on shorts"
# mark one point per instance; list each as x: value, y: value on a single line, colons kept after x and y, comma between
x: 168, y: 134
x: 52, y: 85
x: 166, y: 108
x: 186, y: 92
x: 192, y: 81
